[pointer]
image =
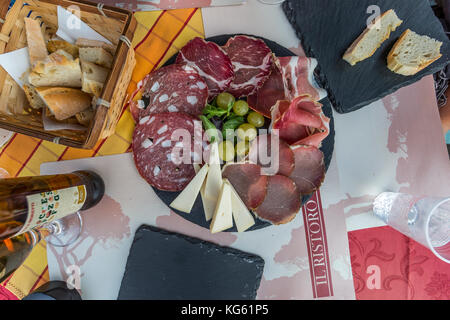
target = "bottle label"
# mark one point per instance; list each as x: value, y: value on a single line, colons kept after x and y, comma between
x: 52, y: 205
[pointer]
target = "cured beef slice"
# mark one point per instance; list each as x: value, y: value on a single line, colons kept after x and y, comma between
x: 159, y: 155
x: 174, y: 88
x: 272, y: 154
x: 210, y: 61
x: 300, y: 122
x: 282, y: 201
x: 248, y: 182
x: 309, y: 170
x: 252, y: 64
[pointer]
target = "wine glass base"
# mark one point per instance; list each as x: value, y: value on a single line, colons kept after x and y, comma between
x: 66, y: 230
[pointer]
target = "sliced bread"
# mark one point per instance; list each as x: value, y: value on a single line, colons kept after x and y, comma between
x: 413, y: 53
x: 372, y: 37
x: 37, y: 49
x: 84, y: 117
x: 55, y: 45
x: 56, y: 70
x: 93, y: 78
x: 33, y: 97
x: 64, y: 103
x: 88, y: 43
x: 96, y: 55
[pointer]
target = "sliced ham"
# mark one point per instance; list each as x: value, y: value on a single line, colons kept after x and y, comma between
x: 272, y: 154
x: 309, y: 169
x: 252, y: 63
x: 210, y: 61
x: 282, y: 201
x: 291, y: 77
x: 300, y: 122
x: 246, y: 178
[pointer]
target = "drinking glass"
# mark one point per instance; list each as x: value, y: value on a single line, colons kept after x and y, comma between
x: 424, y: 219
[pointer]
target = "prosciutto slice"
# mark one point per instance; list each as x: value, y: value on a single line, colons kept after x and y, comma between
x: 290, y: 78
x: 252, y: 64
x: 282, y: 202
x: 210, y: 61
x: 246, y: 178
x: 300, y: 122
x: 309, y: 170
x: 272, y: 154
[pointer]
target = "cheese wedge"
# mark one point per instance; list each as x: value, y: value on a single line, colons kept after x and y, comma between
x: 223, y: 214
x: 209, y: 205
x: 214, y: 178
x: 242, y: 216
x: 186, y: 199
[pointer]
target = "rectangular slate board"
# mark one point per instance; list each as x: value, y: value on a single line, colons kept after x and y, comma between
x: 163, y: 265
x: 327, y: 28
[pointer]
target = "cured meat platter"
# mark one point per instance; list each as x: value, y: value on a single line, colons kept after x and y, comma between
x: 216, y: 84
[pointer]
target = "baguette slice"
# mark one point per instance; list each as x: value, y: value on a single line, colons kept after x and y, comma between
x: 85, y: 117
x: 96, y: 55
x: 413, y: 53
x: 372, y: 38
x: 64, y: 103
x: 55, y: 45
x: 33, y: 97
x: 57, y: 70
x: 35, y: 40
x: 88, y: 43
x: 93, y: 78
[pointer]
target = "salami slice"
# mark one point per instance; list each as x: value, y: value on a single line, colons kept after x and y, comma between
x: 246, y: 178
x: 309, y: 170
x: 272, y: 154
x: 252, y: 64
x: 163, y: 149
x: 282, y: 201
x: 174, y: 88
x: 210, y: 61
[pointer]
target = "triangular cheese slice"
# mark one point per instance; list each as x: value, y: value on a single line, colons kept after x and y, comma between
x: 186, y: 199
x: 214, y: 178
x: 223, y: 216
x: 241, y: 214
x: 209, y: 205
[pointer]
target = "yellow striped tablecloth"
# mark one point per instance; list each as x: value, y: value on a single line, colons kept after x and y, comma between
x: 159, y: 35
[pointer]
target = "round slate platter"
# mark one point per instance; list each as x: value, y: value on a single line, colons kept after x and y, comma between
x: 197, y: 215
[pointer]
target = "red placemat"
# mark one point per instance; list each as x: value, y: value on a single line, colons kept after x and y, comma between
x: 387, y: 265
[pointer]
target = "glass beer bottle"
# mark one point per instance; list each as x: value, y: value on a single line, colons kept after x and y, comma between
x: 32, y: 208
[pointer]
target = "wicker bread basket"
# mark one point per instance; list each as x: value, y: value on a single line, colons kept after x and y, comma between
x: 117, y: 25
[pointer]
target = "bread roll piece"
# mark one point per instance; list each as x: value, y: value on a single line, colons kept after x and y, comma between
x: 55, y: 45
x: 57, y: 70
x: 413, y: 53
x: 93, y: 78
x: 64, y: 102
x: 33, y: 97
x: 372, y: 38
x: 35, y: 40
x: 96, y: 55
x: 85, y: 117
x: 87, y: 43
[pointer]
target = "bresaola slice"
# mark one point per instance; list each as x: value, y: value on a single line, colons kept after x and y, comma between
x: 210, y: 61
x: 309, y: 169
x: 300, y: 122
x: 282, y: 201
x: 248, y: 182
x: 252, y: 63
x: 157, y: 152
x: 272, y: 154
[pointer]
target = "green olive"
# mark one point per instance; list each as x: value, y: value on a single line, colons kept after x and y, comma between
x: 242, y: 148
x: 247, y: 131
x: 240, y: 107
x: 226, y: 150
x: 255, y: 119
x: 224, y: 100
